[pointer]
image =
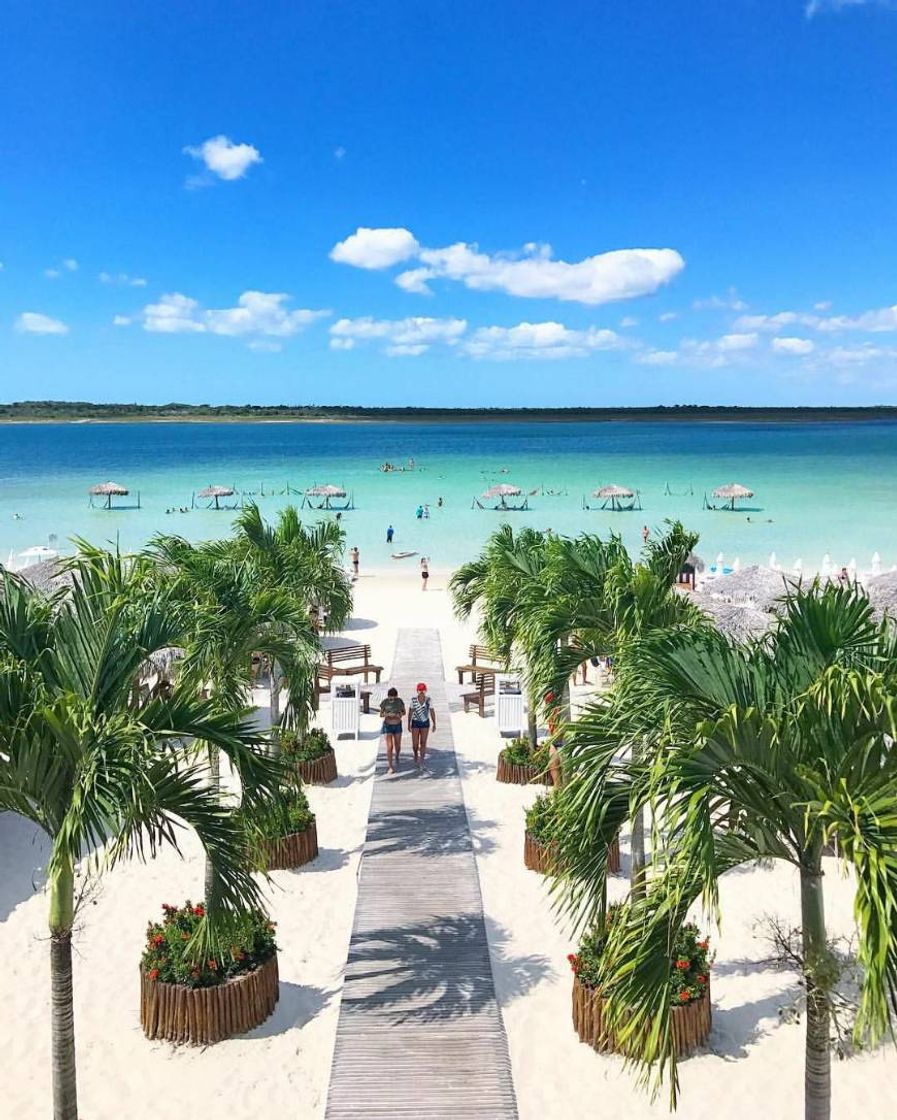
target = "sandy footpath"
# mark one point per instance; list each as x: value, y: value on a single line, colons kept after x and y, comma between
x: 281, y: 1071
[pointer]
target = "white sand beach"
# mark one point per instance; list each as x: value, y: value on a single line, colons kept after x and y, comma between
x: 753, y: 1064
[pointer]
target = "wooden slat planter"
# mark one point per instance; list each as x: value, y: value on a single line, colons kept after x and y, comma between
x: 202, y: 1016
x: 538, y: 856
x: 293, y: 850
x: 520, y: 775
x: 690, y: 1023
x: 319, y: 771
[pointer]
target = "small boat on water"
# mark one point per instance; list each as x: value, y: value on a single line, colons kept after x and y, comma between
x: 402, y: 555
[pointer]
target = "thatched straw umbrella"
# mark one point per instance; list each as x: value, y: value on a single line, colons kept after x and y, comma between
x: 503, y: 491
x: 48, y: 577
x: 761, y: 587
x: 216, y: 492
x: 326, y: 493
x: 740, y: 621
x: 731, y: 492
x: 108, y: 490
x: 614, y: 494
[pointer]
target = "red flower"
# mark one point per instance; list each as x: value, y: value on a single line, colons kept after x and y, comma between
x: 199, y: 911
x: 574, y: 962
x: 682, y: 965
x: 213, y: 965
x: 703, y: 944
x: 702, y: 979
x: 158, y: 939
x: 154, y: 974
x: 684, y: 995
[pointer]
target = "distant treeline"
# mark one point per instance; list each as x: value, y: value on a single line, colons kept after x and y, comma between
x: 85, y: 410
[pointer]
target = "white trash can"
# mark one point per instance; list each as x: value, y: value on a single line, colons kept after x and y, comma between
x: 344, y: 706
x: 509, y: 704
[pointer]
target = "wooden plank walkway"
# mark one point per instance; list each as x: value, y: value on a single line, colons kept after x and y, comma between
x: 420, y: 1032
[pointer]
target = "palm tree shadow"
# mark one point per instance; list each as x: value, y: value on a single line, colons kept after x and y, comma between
x: 297, y: 1005
x: 425, y: 831
x: 360, y: 624
x: 735, y: 1028
x: 327, y: 859
x: 432, y: 971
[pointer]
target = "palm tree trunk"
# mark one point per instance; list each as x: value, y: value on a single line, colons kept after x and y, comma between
x: 818, y: 1058
x: 532, y: 725
x: 62, y: 914
x: 275, y: 695
x: 215, y: 783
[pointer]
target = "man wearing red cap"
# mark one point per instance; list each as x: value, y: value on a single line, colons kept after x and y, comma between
x: 421, y: 717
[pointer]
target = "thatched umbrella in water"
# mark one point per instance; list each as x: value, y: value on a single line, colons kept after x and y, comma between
x: 731, y: 492
x: 108, y: 490
x: 502, y: 491
x: 325, y: 492
x: 216, y: 492
x: 614, y: 494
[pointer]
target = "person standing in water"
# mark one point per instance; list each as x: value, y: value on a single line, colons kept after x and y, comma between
x: 392, y: 711
x: 389, y: 534
x: 421, y: 717
x: 355, y: 557
x: 646, y: 532
x: 424, y: 572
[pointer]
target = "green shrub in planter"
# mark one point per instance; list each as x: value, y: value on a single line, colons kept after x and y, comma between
x: 541, y: 819
x: 296, y: 747
x: 689, y: 962
x: 291, y: 814
x: 518, y: 753
x: 170, y: 957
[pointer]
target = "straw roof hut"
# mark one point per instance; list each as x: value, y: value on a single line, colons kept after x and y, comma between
x: 49, y: 576
x: 616, y: 495
x: 216, y: 492
x: 108, y: 490
x: 732, y: 491
x: 326, y: 491
x: 502, y: 491
x: 320, y: 496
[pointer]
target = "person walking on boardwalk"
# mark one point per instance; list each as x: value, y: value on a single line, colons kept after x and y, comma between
x: 421, y: 717
x: 392, y: 711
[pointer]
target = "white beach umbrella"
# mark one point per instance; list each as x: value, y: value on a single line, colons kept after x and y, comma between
x: 826, y: 570
x: 798, y: 566
x: 736, y: 564
x: 852, y: 567
x: 876, y: 564
x: 38, y: 552
x: 773, y: 563
x: 719, y: 563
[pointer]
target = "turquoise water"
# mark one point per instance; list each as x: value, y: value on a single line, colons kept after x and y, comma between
x: 820, y: 488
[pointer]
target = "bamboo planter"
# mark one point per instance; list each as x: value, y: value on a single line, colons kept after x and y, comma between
x: 538, y: 856
x: 319, y: 771
x: 202, y: 1016
x: 690, y: 1023
x: 292, y: 850
x: 516, y: 775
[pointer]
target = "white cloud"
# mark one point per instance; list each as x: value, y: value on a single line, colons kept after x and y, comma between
x: 628, y: 321
x: 814, y: 7
x: 732, y: 342
x: 223, y: 158
x: 265, y: 346
x: 822, y: 305
x: 2, y: 266
x: 770, y: 323
x: 859, y: 355
x: 401, y: 337
x: 798, y: 346
x: 67, y: 265
x: 718, y: 352
x: 70, y: 264
x: 339, y: 152
x: 657, y: 358
x: 532, y: 273
x: 375, y: 248
x: 256, y: 313
x: 539, y: 340
x: 878, y: 320
x: 730, y: 302
x: 33, y: 322
x: 122, y: 320
x: 52, y: 273
x: 668, y: 316
x: 121, y: 279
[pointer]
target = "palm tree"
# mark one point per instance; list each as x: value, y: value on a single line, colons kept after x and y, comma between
x: 231, y: 611
x: 765, y: 751
x: 99, y: 766
x: 593, y: 599
x: 496, y: 583
x: 304, y: 562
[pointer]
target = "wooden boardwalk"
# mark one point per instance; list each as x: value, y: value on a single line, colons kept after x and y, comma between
x: 420, y: 1033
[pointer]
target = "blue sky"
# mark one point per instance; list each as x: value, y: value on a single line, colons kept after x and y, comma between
x: 455, y: 203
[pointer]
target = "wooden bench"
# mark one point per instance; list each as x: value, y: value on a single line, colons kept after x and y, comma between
x: 485, y: 683
x: 336, y: 663
x: 480, y: 659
